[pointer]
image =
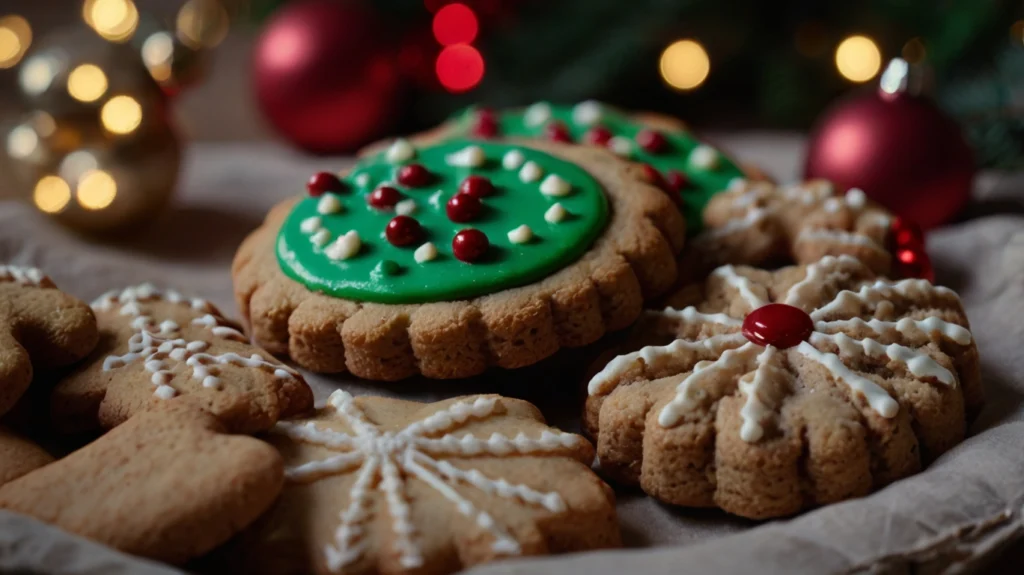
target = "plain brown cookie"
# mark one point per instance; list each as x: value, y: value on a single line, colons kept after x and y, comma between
x: 168, y: 485
x: 379, y: 485
x: 18, y: 456
x: 602, y: 291
x: 39, y: 325
x: 161, y: 346
x: 867, y: 380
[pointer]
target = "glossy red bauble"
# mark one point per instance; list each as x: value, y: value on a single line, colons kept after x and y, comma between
x: 403, y: 231
x: 777, y: 324
x: 485, y: 124
x: 557, y: 132
x: 677, y: 180
x: 477, y: 186
x: 322, y: 182
x: 463, y: 208
x: 598, y: 136
x: 913, y: 263
x: 470, y: 245
x: 904, y: 233
x: 384, y: 197
x: 652, y: 141
x: 324, y: 75
x: 414, y: 176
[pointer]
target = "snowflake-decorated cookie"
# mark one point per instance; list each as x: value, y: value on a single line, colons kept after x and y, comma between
x: 446, y: 259
x: 39, y: 325
x: 758, y: 222
x: 158, y: 346
x: 767, y: 392
x: 378, y: 485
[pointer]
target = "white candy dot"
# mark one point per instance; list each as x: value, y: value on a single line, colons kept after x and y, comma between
x: 621, y: 146
x: 468, y: 157
x: 520, y: 235
x: 425, y: 253
x: 320, y: 238
x: 165, y: 392
x: 587, y: 113
x: 512, y: 160
x: 362, y: 180
x: 344, y: 247
x: 405, y: 207
x: 328, y: 204
x: 530, y: 172
x: 555, y: 214
x: 400, y: 151
x: 704, y: 157
x: 856, y: 198
x: 310, y: 224
x: 832, y: 205
x: 537, y: 114
x: 554, y: 185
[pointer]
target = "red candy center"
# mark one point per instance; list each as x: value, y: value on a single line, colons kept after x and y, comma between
x: 470, y: 245
x: 403, y: 231
x: 463, y: 207
x: 598, y: 136
x: 383, y: 197
x: 414, y: 176
x: 777, y: 324
x: 651, y: 141
x: 322, y: 182
x: 478, y: 186
x: 677, y: 180
x: 556, y: 131
x: 485, y: 125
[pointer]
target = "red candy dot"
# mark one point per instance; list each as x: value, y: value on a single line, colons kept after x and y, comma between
x: 914, y: 263
x: 463, y: 207
x: 677, y: 180
x: 403, y: 231
x: 485, y: 125
x: 777, y: 324
x: 904, y: 233
x: 598, y: 136
x: 478, y: 186
x: 383, y: 197
x: 323, y: 182
x: 557, y: 132
x: 414, y: 176
x: 654, y: 177
x: 470, y: 245
x: 651, y: 141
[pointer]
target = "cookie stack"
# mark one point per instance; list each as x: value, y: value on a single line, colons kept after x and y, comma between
x: 769, y: 364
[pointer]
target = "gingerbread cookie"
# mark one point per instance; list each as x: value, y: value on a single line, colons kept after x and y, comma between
x: 379, y: 485
x: 759, y: 222
x: 787, y: 389
x: 18, y: 456
x: 39, y: 325
x: 169, y: 484
x: 161, y: 346
x: 447, y: 259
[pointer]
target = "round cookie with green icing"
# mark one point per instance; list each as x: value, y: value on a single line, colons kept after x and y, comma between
x: 449, y: 258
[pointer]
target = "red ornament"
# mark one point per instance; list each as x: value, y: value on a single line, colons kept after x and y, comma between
x: 324, y: 76
x: 403, y: 231
x: 899, y: 148
x: 913, y: 263
x: 470, y: 245
x: 463, y: 208
x: 414, y: 176
x: 485, y: 124
x: 477, y: 186
x: 384, y: 197
x: 777, y: 324
x: 652, y: 141
x: 323, y: 182
x: 677, y: 181
x: 598, y: 136
x: 557, y: 132
x: 904, y: 233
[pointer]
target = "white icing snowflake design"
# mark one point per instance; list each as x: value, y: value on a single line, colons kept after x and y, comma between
x: 751, y: 364
x: 384, y: 461
x: 159, y: 344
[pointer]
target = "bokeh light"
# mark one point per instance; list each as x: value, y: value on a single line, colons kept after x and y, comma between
x: 115, y: 20
x: 858, y: 58
x: 22, y: 142
x: 1017, y: 32
x: 685, y: 64
x: 37, y: 73
x: 87, y: 83
x: 15, y: 38
x: 121, y: 115
x: 455, y: 24
x: 51, y: 194
x: 77, y: 163
x: 202, y: 23
x: 96, y: 190
x: 811, y: 39
x: 158, y: 55
x: 914, y: 51
x: 459, y: 67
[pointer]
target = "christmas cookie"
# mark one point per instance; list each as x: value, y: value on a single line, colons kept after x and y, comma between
x: 764, y: 393
x: 18, y: 456
x: 759, y: 222
x: 445, y: 259
x: 161, y: 346
x: 39, y: 325
x: 378, y: 485
x: 169, y: 484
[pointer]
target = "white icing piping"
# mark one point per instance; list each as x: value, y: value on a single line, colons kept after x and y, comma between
x: 754, y: 411
x: 23, y: 276
x: 918, y: 364
x: 883, y: 290
x: 838, y: 236
x: 741, y: 284
x: 686, y: 396
x: 876, y: 396
x: 816, y: 272
x: 906, y: 326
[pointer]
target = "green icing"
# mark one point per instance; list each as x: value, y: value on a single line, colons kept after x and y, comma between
x: 381, y: 272
x: 704, y: 183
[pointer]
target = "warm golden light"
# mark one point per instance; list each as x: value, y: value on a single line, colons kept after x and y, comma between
x: 15, y: 38
x: 115, y: 20
x: 202, y: 23
x: 87, y: 83
x: 685, y: 65
x: 22, y: 142
x: 121, y: 115
x: 96, y: 190
x: 51, y: 194
x: 157, y: 53
x: 858, y: 58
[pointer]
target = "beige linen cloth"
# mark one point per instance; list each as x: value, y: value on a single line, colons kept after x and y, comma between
x: 952, y: 517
